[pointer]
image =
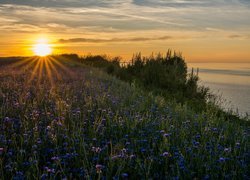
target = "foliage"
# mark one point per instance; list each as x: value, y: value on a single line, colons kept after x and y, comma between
x: 163, y: 75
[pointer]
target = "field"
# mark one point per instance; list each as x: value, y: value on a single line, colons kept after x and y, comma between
x: 63, y: 120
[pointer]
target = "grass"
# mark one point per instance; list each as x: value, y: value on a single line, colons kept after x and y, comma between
x: 68, y: 120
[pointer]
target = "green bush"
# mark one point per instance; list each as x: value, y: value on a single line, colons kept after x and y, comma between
x: 164, y: 75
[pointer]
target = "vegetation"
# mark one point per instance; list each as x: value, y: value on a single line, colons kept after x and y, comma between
x: 166, y: 76
x: 61, y: 118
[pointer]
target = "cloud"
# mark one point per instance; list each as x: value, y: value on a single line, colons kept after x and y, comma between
x: 130, y: 15
x: 245, y: 2
x: 238, y: 36
x: 235, y: 36
x: 87, y: 40
x: 189, y: 3
x: 115, y: 3
x: 129, y: 18
x: 170, y: 3
x: 65, y: 3
x: 104, y: 18
x: 22, y: 28
x: 56, y: 3
x: 214, y: 29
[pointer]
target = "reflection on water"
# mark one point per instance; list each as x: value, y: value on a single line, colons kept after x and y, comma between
x: 231, y: 80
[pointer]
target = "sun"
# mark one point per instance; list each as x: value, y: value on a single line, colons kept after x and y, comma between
x: 42, y: 48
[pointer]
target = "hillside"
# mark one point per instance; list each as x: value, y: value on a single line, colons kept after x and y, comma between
x: 62, y: 119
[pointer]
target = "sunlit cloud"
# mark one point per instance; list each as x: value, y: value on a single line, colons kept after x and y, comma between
x: 238, y: 36
x: 78, y: 40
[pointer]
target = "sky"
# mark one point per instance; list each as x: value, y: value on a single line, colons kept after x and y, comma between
x: 203, y: 31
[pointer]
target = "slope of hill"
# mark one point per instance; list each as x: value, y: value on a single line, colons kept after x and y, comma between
x: 62, y: 120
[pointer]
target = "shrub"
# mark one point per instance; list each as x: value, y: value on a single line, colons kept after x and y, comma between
x: 165, y: 75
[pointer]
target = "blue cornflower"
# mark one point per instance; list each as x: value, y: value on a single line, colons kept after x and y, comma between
x: 99, y: 168
x: 124, y: 175
x: 167, y: 134
x: 19, y: 176
x: 227, y: 150
x: 222, y: 159
x: 143, y: 150
x: 55, y: 158
x: 44, y: 176
x: 166, y: 154
x: 1, y: 151
x: 198, y: 136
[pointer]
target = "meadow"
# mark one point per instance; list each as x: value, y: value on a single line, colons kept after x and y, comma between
x: 63, y: 119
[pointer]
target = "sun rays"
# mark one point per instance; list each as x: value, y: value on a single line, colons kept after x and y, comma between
x: 43, y: 69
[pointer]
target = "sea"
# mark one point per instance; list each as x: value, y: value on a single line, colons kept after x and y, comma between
x: 229, y: 81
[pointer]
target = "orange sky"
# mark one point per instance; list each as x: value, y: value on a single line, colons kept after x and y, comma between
x: 213, y: 31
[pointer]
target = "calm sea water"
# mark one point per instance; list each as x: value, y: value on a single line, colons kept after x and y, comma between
x: 231, y: 81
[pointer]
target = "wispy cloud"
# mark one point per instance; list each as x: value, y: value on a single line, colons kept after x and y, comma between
x: 131, y: 15
x: 238, y: 36
x: 80, y: 40
x: 59, y: 3
x: 110, y: 3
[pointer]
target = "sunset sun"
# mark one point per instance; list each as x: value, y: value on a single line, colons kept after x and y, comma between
x: 42, y: 48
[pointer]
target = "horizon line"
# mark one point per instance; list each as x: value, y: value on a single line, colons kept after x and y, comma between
x: 81, y: 56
